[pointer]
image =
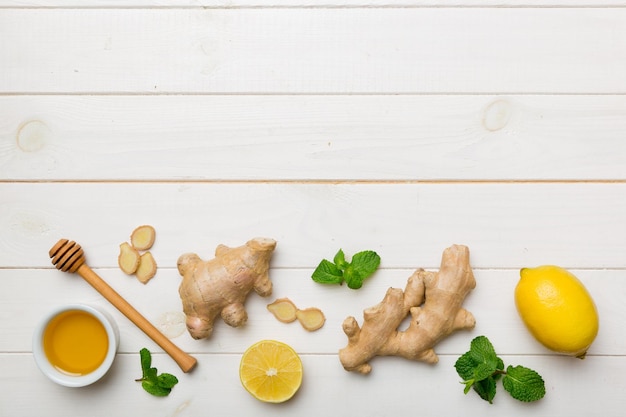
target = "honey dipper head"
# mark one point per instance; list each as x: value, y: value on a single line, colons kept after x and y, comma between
x: 67, y: 255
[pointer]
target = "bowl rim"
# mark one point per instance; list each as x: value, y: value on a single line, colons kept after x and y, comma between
x: 62, y: 378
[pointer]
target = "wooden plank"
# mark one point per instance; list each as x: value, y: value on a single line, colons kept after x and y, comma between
x: 506, y: 225
x: 313, y: 137
x: 214, y: 385
x: 491, y: 302
x: 336, y: 50
x: 307, y: 3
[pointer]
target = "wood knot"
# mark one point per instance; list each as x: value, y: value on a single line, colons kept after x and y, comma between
x: 497, y: 115
x: 32, y: 136
x: 67, y: 255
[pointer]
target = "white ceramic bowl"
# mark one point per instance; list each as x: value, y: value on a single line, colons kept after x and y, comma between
x: 70, y: 380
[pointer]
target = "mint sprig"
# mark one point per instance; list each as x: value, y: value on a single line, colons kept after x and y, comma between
x: 362, y: 266
x: 481, y: 368
x: 154, y: 383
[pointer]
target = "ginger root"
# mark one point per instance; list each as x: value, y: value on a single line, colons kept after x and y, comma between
x: 220, y: 286
x: 434, y: 301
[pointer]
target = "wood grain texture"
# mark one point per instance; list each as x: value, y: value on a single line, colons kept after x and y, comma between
x: 337, y: 137
x: 397, y: 126
x: 353, y: 50
x: 505, y: 225
x: 491, y: 302
x: 326, y: 388
x: 306, y: 3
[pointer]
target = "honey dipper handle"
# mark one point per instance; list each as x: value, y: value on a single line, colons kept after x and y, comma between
x: 184, y: 360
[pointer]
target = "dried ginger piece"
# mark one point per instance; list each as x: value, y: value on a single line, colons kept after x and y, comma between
x: 142, y: 238
x: 311, y: 318
x: 131, y: 261
x: 147, y: 268
x: 283, y: 309
x: 128, y: 259
x: 286, y: 311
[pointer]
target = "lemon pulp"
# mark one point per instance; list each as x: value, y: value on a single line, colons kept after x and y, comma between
x: 557, y: 309
x: 271, y: 371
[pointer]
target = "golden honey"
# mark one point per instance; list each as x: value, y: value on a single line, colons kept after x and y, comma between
x: 75, y: 342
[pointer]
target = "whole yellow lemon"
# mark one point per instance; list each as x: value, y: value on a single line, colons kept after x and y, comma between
x: 557, y: 309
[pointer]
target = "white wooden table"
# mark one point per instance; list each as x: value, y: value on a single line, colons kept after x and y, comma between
x: 393, y: 125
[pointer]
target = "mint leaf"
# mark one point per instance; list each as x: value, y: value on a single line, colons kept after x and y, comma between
x: 480, y: 362
x: 340, y: 260
x: 150, y: 375
x: 146, y: 360
x: 365, y: 263
x: 465, y: 366
x: 152, y: 382
x: 167, y: 380
x: 499, y: 367
x: 327, y: 273
x: 524, y: 384
x: 481, y: 368
x: 155, y: 389
x: 486, y: 389
x: 468, y: 386
x: 483, y: 371
x: 353, y: 277
x: 482, y: 352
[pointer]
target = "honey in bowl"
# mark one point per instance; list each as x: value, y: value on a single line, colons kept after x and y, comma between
x: 75, y: 342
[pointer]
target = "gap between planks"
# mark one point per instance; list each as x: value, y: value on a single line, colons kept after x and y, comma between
x: 316, y: 181
x: 321, y: 7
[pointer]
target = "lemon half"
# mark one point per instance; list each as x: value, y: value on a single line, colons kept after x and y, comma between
x: 271, y: 371
x: 557, y: 309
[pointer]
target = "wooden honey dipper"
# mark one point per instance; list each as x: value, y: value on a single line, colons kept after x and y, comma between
x: 68, y: 256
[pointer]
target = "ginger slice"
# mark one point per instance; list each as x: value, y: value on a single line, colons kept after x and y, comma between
x: 142, y: 238
x: 283, y: 309
x: 147, y: 268
x: 128, y: 259
x: 311, y: 318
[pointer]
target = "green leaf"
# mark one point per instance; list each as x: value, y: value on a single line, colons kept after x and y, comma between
x: 155, y: 389
x: 482, y: 352
x: 483, y: 371
x: 327, y: 273
x: 365, y: 263
x: 146, y: 360
x: 353, y: 277
x: 167, y: 380
x: 465, y: 366
x: 340, y: 260
x: 150, y: 375
x: 468, y: 386
x: 486, y: 389
x: 499, y: 367
x: 481, y: 368
x: 155, y: 384
x: 480, y: 362
x: 524, y: 384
